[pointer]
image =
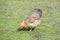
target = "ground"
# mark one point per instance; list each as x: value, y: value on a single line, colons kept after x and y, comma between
x: 13, y: 12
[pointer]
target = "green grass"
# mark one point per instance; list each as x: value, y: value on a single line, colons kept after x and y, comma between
x: 13, y: 12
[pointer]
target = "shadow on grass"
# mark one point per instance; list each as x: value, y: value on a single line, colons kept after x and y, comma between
x: 25, y: 29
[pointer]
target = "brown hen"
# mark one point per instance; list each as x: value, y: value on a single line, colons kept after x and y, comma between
x: 32, y: 21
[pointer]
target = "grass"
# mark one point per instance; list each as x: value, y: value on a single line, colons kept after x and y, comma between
x: 12, y: 12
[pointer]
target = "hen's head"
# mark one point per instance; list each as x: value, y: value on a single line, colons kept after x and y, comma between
x: 23, y: 25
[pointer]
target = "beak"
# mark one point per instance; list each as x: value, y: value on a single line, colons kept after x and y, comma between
x: 18, y: 29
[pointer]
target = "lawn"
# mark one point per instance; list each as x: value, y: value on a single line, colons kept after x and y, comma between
x: 13, y: 12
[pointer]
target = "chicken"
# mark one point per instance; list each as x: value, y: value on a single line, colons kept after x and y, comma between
x: 32, y: 21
